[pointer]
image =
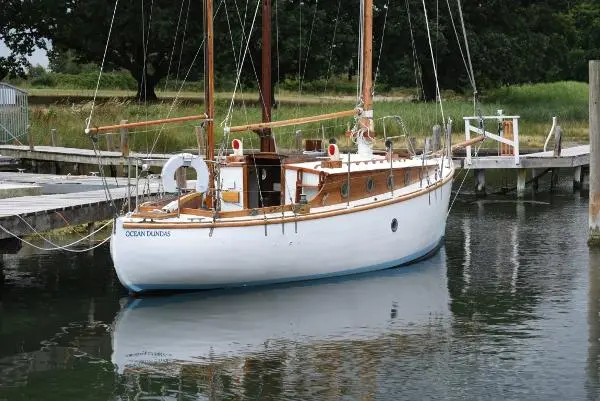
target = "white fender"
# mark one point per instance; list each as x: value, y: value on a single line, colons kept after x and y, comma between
x: 187, y: 160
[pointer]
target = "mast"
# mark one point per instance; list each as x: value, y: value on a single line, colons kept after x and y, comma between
x: 367, y: 63
x: 266, y: 141
x: 209, y: 89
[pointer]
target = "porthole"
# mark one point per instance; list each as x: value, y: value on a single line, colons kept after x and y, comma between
x: 344, y: 190
x: 370, y: 184
x: 263, y: 174
x: 394, y: 225
x: 390, y: 182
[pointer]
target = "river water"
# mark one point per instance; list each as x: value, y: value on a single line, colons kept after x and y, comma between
x: 507, y: 310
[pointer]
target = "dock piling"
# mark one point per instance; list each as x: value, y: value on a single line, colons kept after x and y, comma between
x: 479, y: 182
x: 53, y: 136
x: 577, y: 174
x: 521, y: 182
x: 594, y: 211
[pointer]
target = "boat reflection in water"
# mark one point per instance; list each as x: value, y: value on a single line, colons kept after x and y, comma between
x: 167, y: 333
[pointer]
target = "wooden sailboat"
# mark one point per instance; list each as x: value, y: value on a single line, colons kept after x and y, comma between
x: 263, y: 218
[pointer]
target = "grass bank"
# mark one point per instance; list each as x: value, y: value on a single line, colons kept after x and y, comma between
x: 536, y: 104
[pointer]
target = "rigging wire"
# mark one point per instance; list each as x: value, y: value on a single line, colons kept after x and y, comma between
x: 417, y: 66
x: 381, y: 45
x: 312, y: 27
x: 337, y: 17
x: 174, y: 102
x: 433, y: 61
x: 187, y: 14
x: 112, y: 21
x: 239, y: 73
x: 174, y: 44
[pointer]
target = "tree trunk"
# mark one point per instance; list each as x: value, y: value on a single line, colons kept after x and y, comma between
x: 145, y: 92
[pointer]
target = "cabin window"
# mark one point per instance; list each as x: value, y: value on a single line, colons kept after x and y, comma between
x: 370, y: 184
x: 344, y: 190
x: 390, y: 182
x: 407, y: 177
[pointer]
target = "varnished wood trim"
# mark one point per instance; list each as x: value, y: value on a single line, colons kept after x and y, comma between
x: 291, y: 219
x: 231, y: 196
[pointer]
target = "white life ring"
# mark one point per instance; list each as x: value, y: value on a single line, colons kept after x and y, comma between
x: 187, y: 160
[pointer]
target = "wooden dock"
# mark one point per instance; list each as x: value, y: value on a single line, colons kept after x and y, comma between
x: 50, y: 212
x: 79, y: 156
x: 576, y: 156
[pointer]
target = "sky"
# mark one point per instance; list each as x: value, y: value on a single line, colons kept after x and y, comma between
x: 38, y: 56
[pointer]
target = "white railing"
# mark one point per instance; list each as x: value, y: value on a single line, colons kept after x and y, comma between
x: 499, y: 119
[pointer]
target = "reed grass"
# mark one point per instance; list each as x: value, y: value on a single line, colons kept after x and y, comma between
x: 536, y: 104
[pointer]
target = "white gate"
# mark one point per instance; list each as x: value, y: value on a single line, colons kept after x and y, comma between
x: 14, y: 118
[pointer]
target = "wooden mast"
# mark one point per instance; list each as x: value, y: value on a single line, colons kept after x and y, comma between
x: 209, y: 90
x: 367, y: 63
x: 266, y: 141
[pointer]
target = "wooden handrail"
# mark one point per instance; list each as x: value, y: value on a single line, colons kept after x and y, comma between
x: 295, y: 121
x: 145, y: 123
x: 459, y: 145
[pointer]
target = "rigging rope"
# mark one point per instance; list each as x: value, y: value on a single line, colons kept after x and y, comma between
x: 57, y: 247
x: 89, y: 120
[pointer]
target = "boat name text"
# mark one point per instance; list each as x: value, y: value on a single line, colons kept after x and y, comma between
x: 147, y: 233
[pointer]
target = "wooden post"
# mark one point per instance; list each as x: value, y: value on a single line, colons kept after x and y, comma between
x: 594, y: 212
x: 124, y: 145
x: 557, y: 141
x: 479, y: 182
x: 427, y: 146
x: 521, y: 181
x: 109, y: 143
x: 30, y: 139
x: 437, y: 136
x: 53, y: 136
x: 181, y: 179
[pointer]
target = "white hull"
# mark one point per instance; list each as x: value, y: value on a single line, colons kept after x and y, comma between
x: 204, y: 258
x: 162, y: 334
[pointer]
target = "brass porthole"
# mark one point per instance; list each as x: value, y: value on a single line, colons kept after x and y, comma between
x: 370, y: 184
x: 344, y: 190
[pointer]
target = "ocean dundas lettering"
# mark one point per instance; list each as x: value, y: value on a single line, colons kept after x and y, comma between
x: 147, y: 233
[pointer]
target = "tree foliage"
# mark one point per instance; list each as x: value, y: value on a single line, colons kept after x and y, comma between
x: 510, y: 41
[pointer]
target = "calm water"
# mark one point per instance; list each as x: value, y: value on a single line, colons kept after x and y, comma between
x: 508, y: 309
